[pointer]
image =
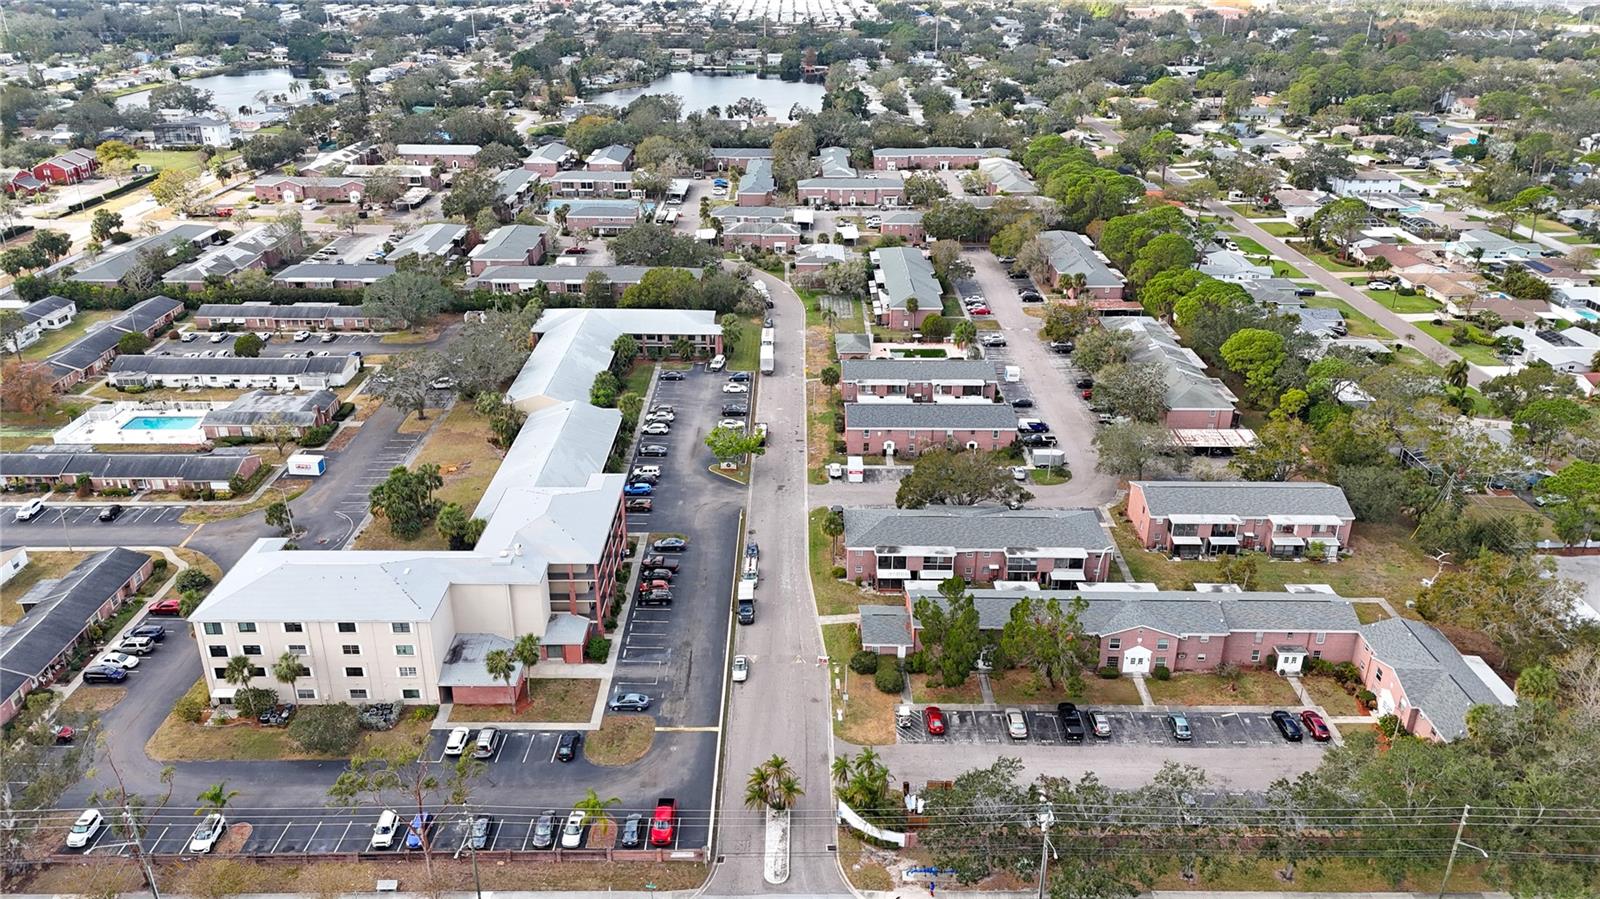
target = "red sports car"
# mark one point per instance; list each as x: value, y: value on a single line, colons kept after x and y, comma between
x: 166, y: 607
x: 935, y: 719
x: 1316, y: 726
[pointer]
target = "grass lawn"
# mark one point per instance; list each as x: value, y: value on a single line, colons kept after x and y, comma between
x: 869, y: 713
x: 1507, y: 507
x: 549, y: 699
x: 1195, y: 689
x: 41, y: 567
x: 1328, y: 262
x: 1248, y: 245
x: 1358, y: 323
x: 460, y: 447
x: 638, y: 379
x: 1278, y: 229
x: 1476, y: 353
x: 1577, y: 240
x: 1046, y: 477
x: 746, y: 353
x: 923, y: 692
x: 1331, y: 695
x: 200, y: 560
x: 822, y: 404
x: 179, y: 741
x: 1022, y: 687
x: 1384, y: 562
x: 51, y: 341
x: 1395, y: 301
x: 864, y: 868
x: 169, y: 159
x: 1329, y: 875
x: 834, y: 597
x: 93, y: 701
x: 621, y: 740
x: 275, y: 493
x: 1281, y: 269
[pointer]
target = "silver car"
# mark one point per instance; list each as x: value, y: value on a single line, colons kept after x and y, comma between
x: 1016, y: 724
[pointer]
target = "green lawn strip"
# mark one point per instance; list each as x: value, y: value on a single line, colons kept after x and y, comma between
x: 1395, y: 301
x: 1331, y: 695
x: 1475, y: 353
x: 834, y: 597
x: 868, y: 712
x: 51, y: 341
x: 1328, y: 262
x: 1248, y: 688
x: 1278, y: 229
x: 747, y: 352
x: 1359, y: 324
x: 1247, y: 245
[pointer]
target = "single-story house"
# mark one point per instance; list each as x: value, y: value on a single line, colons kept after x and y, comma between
x: 90, y: 354
x: 127, y: 471
x: 333, y: 275
x: 235, y: 373
x: 51, y: 313
x: 258, y: 410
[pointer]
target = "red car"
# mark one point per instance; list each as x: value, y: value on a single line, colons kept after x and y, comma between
x: 980, y: 310
x: 165, y: 607
x: 935, y: 720
x: 1088, y: 394
x: 1315, y: 726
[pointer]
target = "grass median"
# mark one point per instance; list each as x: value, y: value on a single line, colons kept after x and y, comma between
x: 621, y: 740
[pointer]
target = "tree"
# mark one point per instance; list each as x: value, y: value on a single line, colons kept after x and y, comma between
x: 1167, y: 252
x: 115, y: 157
x: 663, y: 288
x: 1281, y: 452
x: 472, y: 192
x: 405, y: 771
x: 772, y: 785
x: 105, y: 224
x: 175, y: 189
x: 1101, y: 347
x: 792, y: 150
x: 51, y: 245
x: 1516, y: 600
x: 729, y: 444
x: 732, y: 332
x: 1510, y: 393
x: 975, y: 825
x: 649, y: 244
x: 215, y: 798
x: 950, y: 634
x: 1160, y: 295
x: 177, y: 95
x: 1256, y: 354
x: 1135, y: 450
x: 239, y: 671
x: 624, y: 350
x: 525, y: 649
x: 133, y: 343
x: 459, y: 531
x: 1051, y: 640
x: 833, y: 527
x: 923, y: 190
x: 1336, y: 225
x: 498, y: 664
x: 1137, y: 390
x: 1067, y: 321
x: 964, y: 333
x: 957, y: 478
x: 406, y: 499
x: 406, y: 380
x: 1543, y: 422
x: 829, y: 376
x: 948, y: 263
x: 405, y: 299
x: 247, y: 345
x: 597, y: 811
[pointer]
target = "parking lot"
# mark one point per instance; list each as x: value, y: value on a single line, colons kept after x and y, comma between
x: 78, y: 525
x: 1128, y: 728
x: 280, y: 344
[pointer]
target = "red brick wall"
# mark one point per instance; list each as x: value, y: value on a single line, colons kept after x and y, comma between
x: 499, y: 694
x: 859, y: 441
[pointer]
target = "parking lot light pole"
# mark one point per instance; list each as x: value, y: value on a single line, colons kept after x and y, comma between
x: 1047, y: 817
x: 138, y: 848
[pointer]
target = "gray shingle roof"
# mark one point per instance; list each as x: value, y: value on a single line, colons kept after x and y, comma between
x: 509, y: 242
x: 852, y: 343
x: 916, y: 370
x: 133, y: 466
x: 1176, y: 613
x: 1070, y: 253
x: 110, y: 268
x: 959, y: 416
x: 906, y: 273
x: 1247, y: 499
x: 885, y: 626
x: 229, y: 365
x: 62, y: 614
x: 975, y: 527
x: 907, y: 152
x: 758, y: 178
x: 1431, y: 670
x: 335, y: 271
x: 291, y: 312
x: 257, y: 406
x: 40, y: 308
x: 88, y: 349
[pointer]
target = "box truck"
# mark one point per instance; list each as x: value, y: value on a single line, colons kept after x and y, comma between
x: 307, y: 465
x: 768, y: 360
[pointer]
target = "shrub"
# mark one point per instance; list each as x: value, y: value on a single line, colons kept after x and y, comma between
x: 1367, y: 698
x: 318, y: 436
x: 889, y: 679
x: 194, y: 579
x: 191, y: 707
x: 158, y: 566
x: 864, y: 662
x: 839, y: 572
x: 598, y: 649
x: 1161, y: 672
x: 423, y: 713
x: 326, y: 729
x: 190, y: 601
x: 917, y: 663
x: 252, y: 701
x: 1347, y: 673
x: 344, y: 411
x: 1110, y: 672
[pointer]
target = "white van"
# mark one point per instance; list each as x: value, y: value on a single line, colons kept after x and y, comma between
x: 717, y: 363
x: 31, y: 510
x: 647, y: 471
x: 387, y: 828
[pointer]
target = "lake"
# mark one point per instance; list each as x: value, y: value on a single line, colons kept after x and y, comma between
x: 700, y: 91
x: 233, y: 91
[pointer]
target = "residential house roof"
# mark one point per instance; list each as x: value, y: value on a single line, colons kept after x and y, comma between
x: 908, y: 152
x: 132, y: 466
x: 224, y: 366
x: 615, y: 153
x: 876, y: 181
x: 1246, y: 499
x: 834, y: 162
x: 509, y: 242
x: 1188, y: 385
x: 885, y: 626
x: 1007, y: 175
x: 757, y: 178
x: 437, y: 149
x: 846, y: 342
x: 575, y: 345
x: 111, y: 268
x: 63, y: 609
x: 437, y: 239
x: 923, y: 416
x: 903, y: 273
x: 1433, y: 673
x: 91, y: 347
x: 1172, y: 612
x: 975, y: 527
x: 43, y: 307
x: 1071, y: 253
x: 298, y: 410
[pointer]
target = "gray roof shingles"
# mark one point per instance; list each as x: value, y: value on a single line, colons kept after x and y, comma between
x: 1247, y: 499
x: 66, y: 609
x: 960, y: 416
x: 975, y: 527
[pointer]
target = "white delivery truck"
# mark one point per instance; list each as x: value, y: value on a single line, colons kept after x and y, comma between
x: 307, y: 465
x: 769, y: 360
x: 1013, y: 374
x: 855, y: 470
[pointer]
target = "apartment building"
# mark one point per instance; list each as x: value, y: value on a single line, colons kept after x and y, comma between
x: 903, y: 278
x: 895, y: 549
x: 906, y: 429
x: 1286, y: 519
x: 918, y: 380
x: 938, y: 158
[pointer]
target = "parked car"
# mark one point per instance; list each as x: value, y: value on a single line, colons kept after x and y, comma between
x: 208, y: 832
x: 632, y: 836
x: 420, y: 825
x: 111, y: 512
x: 933, y: 717
x: 1062, y: 346
x: 992, y: 339
x: 1022, y: 402
x: 629, y: 702
x: 652, y: 449
x: 30, y: 510
x: 567, y: 745
x: 979, y: 310
x: 299, y: 336
x: 1101, y: 724
x: 544, y: 832
x: 104, y: 674
x: 1071, y: 722
x: 1038, y: 440
x: 384, y: 832
x: 329, y: 338
x: 739, y: 376
x: 150, y: 631
x: 1085, y: 382
x: 1087, y: 394
x: 166, y: 607
x: 456, y: 743
x: 488, y: 740
x: 572, y: 831
x: 656, y: 428
x: 136, y: 645
x: 640, y: 505
x: 732, y: 424
x: 670, y: 545
x: 84, y: 829
x: 119, y: 660
x: 672, y: 376
x: 1287, y: 726
x: 1016, y: 724
x: 658, y: 561
x: 1032, y: 426
x: 741, y: 669
x: 1315, y: 726
x: 1180, y: 727
x: 735, y: 410
x: 482, y: 833
x: 277, y: 716
x: 638, y: 488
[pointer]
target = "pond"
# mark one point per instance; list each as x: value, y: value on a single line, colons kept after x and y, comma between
x: 233, y: 91
x: 700, y: 91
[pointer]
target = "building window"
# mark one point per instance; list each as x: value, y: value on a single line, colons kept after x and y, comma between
x: 1205, y: 638
x: 401, y: 627
x: 305, y: 693
x: 292, y: 627
x: 1377, y: 674
x: 257, y: 671
x: 407, y: 671
x: 358, y: 694
x: 1316, y: 653
x: 1161, y: 662
x: 410, y: 693
x: 221, y: 673
x: 212, y: 628
x: 1255, y: 655
x: 1114, y: 643
x: 247, y: 627
x: 1322, y: 637
x: 1260, y: 636
x: 347, y: 627
x: 251, y: 649
x: 354, y: 671
x: 1200, y: 658
x: 298, y: 649
x: 405, y: 649
x: 1161, y: 644
x: 217, y: 652
x: 351, y: 649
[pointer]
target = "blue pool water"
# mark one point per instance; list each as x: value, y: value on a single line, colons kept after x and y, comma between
x: 1587, y: 314
x: 162, y: 423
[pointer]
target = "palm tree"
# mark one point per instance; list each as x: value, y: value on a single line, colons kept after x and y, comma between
x: 561, y: 217
x: 772, y: 785
x: 598, y: 811
x: 911, y: 312
x: 215, y: 798
x: 1075, y: 283
x: 1455, y: 374
x: 833, y: 526
x: 526, y: 650
x: 239, y: 672
x: 499, y: 665
x: 287, y: 669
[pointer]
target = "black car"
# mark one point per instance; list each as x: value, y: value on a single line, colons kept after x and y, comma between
x: 1037, y: 439
x: 104, y: 674
x: 655, y: 598
x: 1031, y: 296
x: 632, y: 832
x: 671, y: 375
x: 1085, y: 383
x: 110, y: 513
x: 567, y: 746
x: 544, y: 832
x: 152, y: 631
x: 1287, y: 726
x: 1062, y: 346
x: 1022, y: 402
x: 736, y: 410
x: 1071, y: 722
x: 670, y: 545
x: 482, y: 833
x: 1305, y: 292
x: 739, y: 376
x: 659, y: 561
x: 652, y: 449
x: 657, y: 574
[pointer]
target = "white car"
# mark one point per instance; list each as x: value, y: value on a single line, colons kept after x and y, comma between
x: 732, y: 424
x: 30, y: 511
x: 974, y: 300
x: 264, y: 335
x: 84, y: 829
x: 218, y: 338
x: 734, y: 387
x: 572, y: 831
x: 662, y: 416
x: 456, y: 743
x: 657, y: 427
x: 741, y: 669
x: 302, y: 336
x: 1016, y: 724
x: 208, y: 833
x: 188, y: 336
x: 119, y: 660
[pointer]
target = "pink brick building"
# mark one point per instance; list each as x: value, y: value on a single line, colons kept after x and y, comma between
x: 883, y: 188
x: 286, y: 189
x: 1194, y: 519
x: 450, y: 156
x: 900, y: 159
x: 905, y: 429
x: 918, y: 380
x: 889, y: 549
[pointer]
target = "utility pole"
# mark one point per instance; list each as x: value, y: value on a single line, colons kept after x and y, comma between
x: 138, y: 848
x: 1047, y: 817
x: 1455, y: 845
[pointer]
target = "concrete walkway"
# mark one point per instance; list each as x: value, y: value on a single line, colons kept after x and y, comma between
x: 1300, y: 691
x: 1144, y: 692
x: 846, y: 618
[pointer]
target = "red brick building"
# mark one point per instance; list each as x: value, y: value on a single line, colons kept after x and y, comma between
x: 905, y: 429
x: 1194, y: 519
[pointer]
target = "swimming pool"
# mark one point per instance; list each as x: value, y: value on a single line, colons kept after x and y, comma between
x: 162, y: 423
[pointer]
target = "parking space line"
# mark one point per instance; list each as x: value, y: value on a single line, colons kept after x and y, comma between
x: 553, y: 750
x: 525, y: 761
x: 346, y: 834
x: 499, y: 747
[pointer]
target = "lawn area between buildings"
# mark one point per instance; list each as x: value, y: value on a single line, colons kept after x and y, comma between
x: 177, y: 740
x: 868, y: 712
x: 560, y: 699
x: 1395, y: 301
x: 1383, y: 563
x: 1328, y: 262
x: 1245, y: 688
x: 621, y: 740
x: 51, y: 341
x: 834, y: 597
x: 459, y: 445
x: 41, y: 567
x: 1279, y: 229
x: 747, y: 352
x: 1331, y: 695
x: 1476, y: 353
x: 822, y: 404
x: 1019, y: 686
